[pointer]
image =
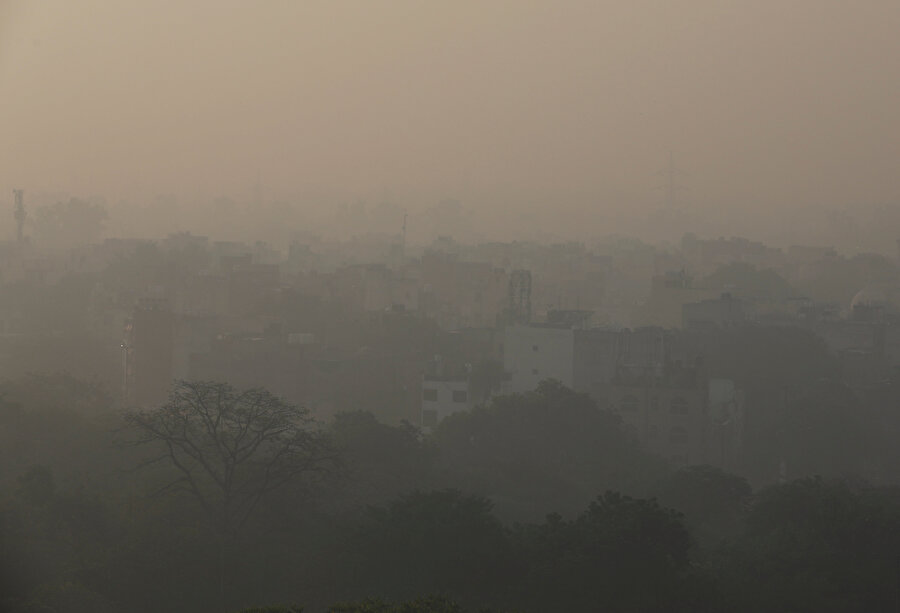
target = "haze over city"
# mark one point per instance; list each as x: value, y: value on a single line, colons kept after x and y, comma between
x: 538, y: 116
x: 387, y: 306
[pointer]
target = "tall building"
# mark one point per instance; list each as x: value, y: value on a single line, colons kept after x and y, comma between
x: 150, y: 353
x: 674, y: 409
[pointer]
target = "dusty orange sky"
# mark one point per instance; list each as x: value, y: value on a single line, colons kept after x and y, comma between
x: 765, y: 103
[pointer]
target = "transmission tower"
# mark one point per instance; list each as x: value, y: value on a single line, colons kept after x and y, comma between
x: 19, y: 213
x: 519, y: 297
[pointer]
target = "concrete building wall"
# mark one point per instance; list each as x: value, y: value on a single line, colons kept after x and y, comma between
x: 726, y: 424
x: 442, y: 398
x: 670, y: 422
x: 151, y: 349
x: 715, y: 313
x: 534, y: 353
x: 596, y: 358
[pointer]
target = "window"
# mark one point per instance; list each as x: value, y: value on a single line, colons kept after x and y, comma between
x: 429, y: 395
x: 678, y: 435
x: 678, y: 405
x: 429, y: 418
x: 460, y: 396
x: 629, y: 403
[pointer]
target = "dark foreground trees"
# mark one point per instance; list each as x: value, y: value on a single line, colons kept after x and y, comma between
x: 71, y: 544
x: 229, y: 449
x: 713, y: 502
x: 816, y: 545
x: 434, y: 542
x: 427, y: 604
x: 621, y: 554
x: 547, y: 451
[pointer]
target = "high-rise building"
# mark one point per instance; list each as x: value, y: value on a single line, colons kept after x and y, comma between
x: 150, y: 351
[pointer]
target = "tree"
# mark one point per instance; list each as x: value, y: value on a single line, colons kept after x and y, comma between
x: 486, y: 378
x: 380, y: 461
x: 545, y: 451
x: 621, y: 554
x: 712, y: 501
x: 442, y: 542
x: 57, y: 421
x: 827, y: 431
x: 230, y: 448
x: 428, y: 604
x: 816, y: 545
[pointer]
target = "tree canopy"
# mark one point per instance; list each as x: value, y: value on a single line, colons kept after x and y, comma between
x: 230, y: 448
x: 539, y: 452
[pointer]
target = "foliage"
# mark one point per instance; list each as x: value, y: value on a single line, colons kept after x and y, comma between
x: 430, y: 604
x: 379, y: 461
x: 36, y: 486
x: 544, y: 451
x: 712, y: 501
x: 817, y: 545
x: 825, y: 432
x: 439, y: 541
x: 606, y: 557
x: 486, y: 378
x: 56, y: 391
x: 67, y: 597
x: 73, y: 543
x: 54, y: 421
x: 773, y: 366
x: 230, y: 448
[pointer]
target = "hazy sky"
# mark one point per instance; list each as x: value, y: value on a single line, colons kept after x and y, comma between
x: 764, y: 102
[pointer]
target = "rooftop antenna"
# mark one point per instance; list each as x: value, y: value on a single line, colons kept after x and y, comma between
x: 19, y: 213
x: 519, y: 297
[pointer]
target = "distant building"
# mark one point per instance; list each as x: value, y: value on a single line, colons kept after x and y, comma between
x: 668, y: 414
x: 680, y: 414
x: 668, y: 295
x: 537, y: 352
x: 705, y: 256
x: 582, y: 359
x: 721, y: 312
x: 674, y: 410
x: 459, y: 294
x: 445, y: 391
x: 251, y: 287
x: 725, y: 434
x: 150, y: 352
x: 384, y: 291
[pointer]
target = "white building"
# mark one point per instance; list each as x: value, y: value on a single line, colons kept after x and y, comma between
x: 442, y: 397
x: 534, y: 353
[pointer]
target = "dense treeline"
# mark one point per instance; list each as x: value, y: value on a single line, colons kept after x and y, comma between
x: 534, y: 503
